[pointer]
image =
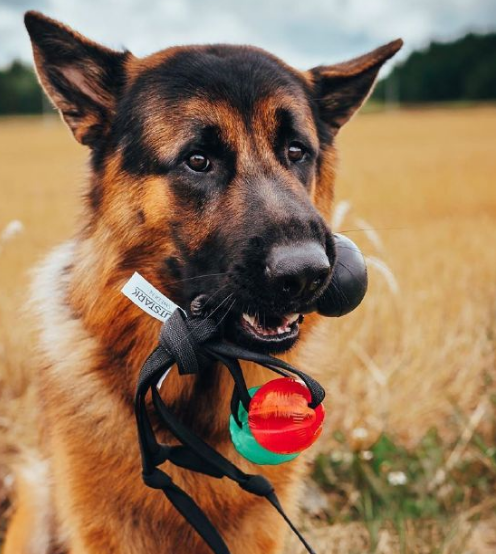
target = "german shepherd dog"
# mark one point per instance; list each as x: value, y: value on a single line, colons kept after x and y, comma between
x: 212, y: 172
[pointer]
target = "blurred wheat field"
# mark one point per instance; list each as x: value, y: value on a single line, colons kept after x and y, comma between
x: 416, y: 191
x: 423, y: 180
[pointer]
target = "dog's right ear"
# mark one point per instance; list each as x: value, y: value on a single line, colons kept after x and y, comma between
x: 81, y: 77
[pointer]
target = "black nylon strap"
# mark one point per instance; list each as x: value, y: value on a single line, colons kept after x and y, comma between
x: 181, y: 341
x: 255, y: 484
x: 188, y: 508
x: 232, y: 351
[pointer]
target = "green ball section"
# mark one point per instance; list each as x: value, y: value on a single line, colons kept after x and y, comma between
x: 246, y: 444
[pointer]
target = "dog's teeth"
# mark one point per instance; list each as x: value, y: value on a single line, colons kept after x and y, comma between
x: 250, y: 319
x: 291, y: 318
x: 283, y: 328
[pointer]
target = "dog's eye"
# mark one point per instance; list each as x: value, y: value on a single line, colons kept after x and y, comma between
x: 296, y: 152
x: 198, y: 162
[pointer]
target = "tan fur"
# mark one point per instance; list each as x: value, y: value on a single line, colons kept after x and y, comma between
x: 34, y: 512
x: 95, y: 479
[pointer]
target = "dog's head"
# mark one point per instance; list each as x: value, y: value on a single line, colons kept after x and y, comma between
x: 212, y: 169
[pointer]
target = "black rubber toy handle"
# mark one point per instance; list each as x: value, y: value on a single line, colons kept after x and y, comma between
x: 349, y: 280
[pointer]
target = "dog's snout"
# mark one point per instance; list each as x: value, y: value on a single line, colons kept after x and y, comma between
x: 297, y: 271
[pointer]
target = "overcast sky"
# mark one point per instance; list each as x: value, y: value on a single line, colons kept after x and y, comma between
x: 304, y: 33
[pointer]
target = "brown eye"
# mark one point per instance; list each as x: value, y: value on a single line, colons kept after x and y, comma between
x: 296, y: 152
x: 198, y: 162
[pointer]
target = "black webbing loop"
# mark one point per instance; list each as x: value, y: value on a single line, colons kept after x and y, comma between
x: 183, y: 341
x: 231, y: 351
x: 258, y: 484
x: 254, y: 484
x: 188, y: 508
x: 157, y: 479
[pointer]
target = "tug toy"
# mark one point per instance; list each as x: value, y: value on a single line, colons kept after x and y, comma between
x: 269, y: 425
x: 279, y: 424
x: 248, y: 446
x: 281, y: 419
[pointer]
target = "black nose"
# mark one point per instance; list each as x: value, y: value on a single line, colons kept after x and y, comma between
x: 297, y: 271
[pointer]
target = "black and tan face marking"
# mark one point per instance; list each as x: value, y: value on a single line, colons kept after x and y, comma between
x: 213, y: 167
x: 237, y: 108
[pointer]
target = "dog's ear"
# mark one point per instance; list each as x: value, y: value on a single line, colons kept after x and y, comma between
x: 341, y: 89
x: 81, y: 77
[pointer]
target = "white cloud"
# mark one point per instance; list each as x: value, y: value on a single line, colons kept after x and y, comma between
x: 305, y: 33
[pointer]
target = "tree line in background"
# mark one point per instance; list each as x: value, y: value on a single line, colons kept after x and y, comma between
x: 20, y: 92
x: 464, y: 69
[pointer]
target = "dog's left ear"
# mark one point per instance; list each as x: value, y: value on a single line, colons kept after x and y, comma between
x: 341, y: 89
x: 82, y: 78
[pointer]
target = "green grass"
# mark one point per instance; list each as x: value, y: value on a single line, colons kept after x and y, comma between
x: 391, y: 486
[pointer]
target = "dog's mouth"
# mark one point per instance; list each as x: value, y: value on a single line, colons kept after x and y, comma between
x: 259, y: 330
x: 264, y: 332
x: 271, y: 326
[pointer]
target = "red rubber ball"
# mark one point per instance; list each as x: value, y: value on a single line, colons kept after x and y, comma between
x: 280, y: 418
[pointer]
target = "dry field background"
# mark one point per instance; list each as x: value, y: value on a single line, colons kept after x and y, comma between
x: 418, y: 354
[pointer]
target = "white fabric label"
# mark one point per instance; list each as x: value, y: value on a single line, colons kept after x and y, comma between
x: 148, y: 298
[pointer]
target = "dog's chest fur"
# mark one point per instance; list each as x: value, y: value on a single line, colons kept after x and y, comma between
x: 92, y: 450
